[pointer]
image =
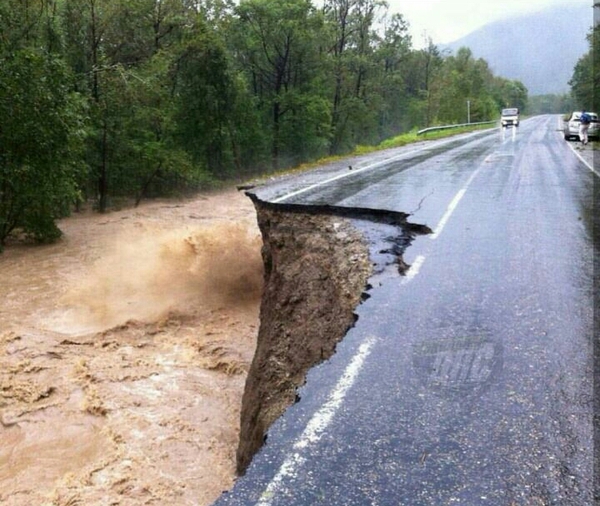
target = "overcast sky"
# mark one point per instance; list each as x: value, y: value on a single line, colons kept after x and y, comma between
x: 448, y: 20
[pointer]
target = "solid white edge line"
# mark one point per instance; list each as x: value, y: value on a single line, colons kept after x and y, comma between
x: 358, y: 171
x: 318, y: 423
x: 560, y: 127
x: 583, y: 160
x: 344, y: 175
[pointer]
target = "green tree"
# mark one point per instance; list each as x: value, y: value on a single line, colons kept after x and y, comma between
x: 351, y: 43
x: 511, y: 93
x: 468, y: 90
x: 586, y: 75
x: 205, y: 98
x: 429, y: 64
x: 278, y: 48
x: 28, y: 24
x: 123, y: 52
x: 406, y: 80
x: 41, y: 135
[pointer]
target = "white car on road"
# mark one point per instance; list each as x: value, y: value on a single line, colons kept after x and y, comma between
x: 571, y: 128
x: 510, y: 117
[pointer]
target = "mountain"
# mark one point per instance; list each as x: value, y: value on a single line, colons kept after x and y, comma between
x: 539, y: 49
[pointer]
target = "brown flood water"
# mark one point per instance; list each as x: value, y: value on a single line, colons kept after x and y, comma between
x: 123, y: 354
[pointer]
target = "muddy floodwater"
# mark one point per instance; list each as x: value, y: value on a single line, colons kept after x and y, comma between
x: 124, y: 350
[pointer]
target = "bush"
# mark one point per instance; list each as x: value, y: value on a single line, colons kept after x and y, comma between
x: 41, y: 134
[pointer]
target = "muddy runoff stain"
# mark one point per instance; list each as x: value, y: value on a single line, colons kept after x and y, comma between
x: 317, y: 261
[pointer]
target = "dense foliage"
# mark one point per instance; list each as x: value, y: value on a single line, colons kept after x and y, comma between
x: 586, y: 75
x: 101, y: 99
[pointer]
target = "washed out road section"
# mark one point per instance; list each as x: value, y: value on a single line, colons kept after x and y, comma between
x: 478, y: 384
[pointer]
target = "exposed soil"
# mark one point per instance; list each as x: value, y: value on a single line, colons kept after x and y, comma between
x: 125, y: 347
x: 316, y: 269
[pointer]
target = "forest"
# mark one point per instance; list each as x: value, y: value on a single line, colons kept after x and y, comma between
x: 586, y: 75
x: 103, y: 100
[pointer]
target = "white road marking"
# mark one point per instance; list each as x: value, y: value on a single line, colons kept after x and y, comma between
x: 362, y: 169
x: 452, y: 207
x: 415, y: 267
x: 413, y: 270
x: 323, y: 417
x: 457, y: 198
x: 344, y: 175
x: 561, y: 127
x: 317, y: 424
x: 583, y: 160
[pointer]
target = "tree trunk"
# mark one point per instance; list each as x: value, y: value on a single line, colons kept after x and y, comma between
x: 103, y: 179
x: 276, y: 128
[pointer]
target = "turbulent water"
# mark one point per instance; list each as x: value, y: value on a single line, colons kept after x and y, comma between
x: 145, y: 275
x: 123, y: 354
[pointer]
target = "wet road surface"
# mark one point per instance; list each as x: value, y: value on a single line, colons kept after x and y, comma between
x: 468, y: 380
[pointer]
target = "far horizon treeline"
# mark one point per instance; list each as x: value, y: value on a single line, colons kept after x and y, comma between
x: 104, y: 99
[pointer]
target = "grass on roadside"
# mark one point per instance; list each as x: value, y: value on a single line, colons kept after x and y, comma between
x: 395, y: 142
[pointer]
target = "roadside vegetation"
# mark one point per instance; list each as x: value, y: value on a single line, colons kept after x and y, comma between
x: 102, y: 100
x: 394, y: 142
x: 413, y: 136
x: 586, y: 76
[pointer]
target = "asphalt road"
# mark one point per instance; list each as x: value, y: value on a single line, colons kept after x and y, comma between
x: 468, y: 380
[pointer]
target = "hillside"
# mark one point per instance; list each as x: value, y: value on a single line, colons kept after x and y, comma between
x: 539, y: 49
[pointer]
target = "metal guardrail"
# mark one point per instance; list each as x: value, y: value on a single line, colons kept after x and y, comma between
x: 446, y: 127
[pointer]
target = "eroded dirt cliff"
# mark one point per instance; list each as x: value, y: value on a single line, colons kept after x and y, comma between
x: 318, y: 262
x: 316, y: 269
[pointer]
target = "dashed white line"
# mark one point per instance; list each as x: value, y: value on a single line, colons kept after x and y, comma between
x: 415, y: 267
x: 452, y: 207
x: 317, y: 424
x: 413, y: 270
